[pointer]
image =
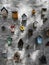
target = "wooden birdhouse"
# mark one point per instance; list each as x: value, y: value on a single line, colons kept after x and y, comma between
x: 33, y: 11
x: 4, y: 12
x: 17, y: 57
x: 15, y: 15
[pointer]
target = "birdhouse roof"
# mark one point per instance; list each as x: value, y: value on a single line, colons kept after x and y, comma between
x: 4, y: 9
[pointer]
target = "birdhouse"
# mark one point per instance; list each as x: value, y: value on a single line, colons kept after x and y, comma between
x: 22, y: 28
x: 15, y: 15
x: 4, y: 55
x: 35, y: 24
x: 45, y: 19
x: 12, y: 28
x: 17, y: 57
x: 3, y: 28
x: 33, y: 11
x: 30, y: 32
x: 44, y: 9
x: 4, y: 12
x: 24, y: 17
x: 20, y: 44
x: 39, y: 40
x: 9, y: 41
x: 47, y: 33
x: 43, y: 59
x: 42, y: 16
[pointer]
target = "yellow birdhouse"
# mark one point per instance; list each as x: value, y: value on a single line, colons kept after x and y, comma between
x: 22, y: 28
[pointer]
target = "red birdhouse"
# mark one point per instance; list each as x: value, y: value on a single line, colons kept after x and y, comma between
x: 12, y: 28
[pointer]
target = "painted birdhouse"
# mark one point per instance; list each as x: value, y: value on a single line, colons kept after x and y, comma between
x: 33, y: 11
x: 20, y: 44
x: 30, y: 33
x: 43, y: 12
x: 43, y: 59
x: 22, y: 28
x: 17, y: 57
x: 9, y: 41
x: 35, y: 24
x: 15, y: 15
x: 24, y: 17
x: 4, y: 12
x: 45, y: 19
x: 3, y: 28
x: 39, y: 40
x: 44, y: 9
x: 12, y: 28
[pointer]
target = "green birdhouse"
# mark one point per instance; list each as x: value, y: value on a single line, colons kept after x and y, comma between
x: 9, y: 40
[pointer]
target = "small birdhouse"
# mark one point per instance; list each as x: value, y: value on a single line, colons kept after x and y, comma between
x: 43, y: 59
x: 24, y: 17
x: 44, y: 9
x: 3, y: 28
x: 4, y: 12
x: 47, y: 33
x: 17, y: 57
x: 22, y: 28
x: 45, y: 19
x: 4, y: 55
x: 9, y: 41
x: 20, y: 44
x: 39, y: 40
x: 12, y: 28
x: 30, y: 32
x: 35, y: 24
x: 33, y: 11
x: 15, y: 15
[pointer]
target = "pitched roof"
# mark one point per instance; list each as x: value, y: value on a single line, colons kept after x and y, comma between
x: 5, y: 9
